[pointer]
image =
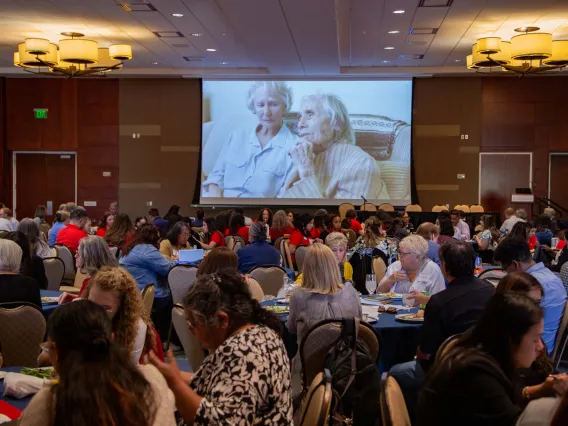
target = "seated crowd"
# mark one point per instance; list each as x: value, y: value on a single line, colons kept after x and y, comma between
x: 483, y: 355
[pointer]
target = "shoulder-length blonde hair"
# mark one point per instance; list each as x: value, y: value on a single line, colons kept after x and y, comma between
x: 321, y: 273
x: 131, y: 310
x: 280, y: 220
x: 372, y: 236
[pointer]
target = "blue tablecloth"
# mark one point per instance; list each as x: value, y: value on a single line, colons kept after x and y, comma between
x: 48, y: 308
x: 20, y: 404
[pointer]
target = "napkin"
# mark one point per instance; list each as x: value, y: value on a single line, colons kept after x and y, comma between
x: 19, y: 385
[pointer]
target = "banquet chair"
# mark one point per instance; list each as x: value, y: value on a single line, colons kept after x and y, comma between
x: 114, y: 251
x: 3, y: 234
x: 368, y: 207
x: 148, y: 297
x: 351, y: 237
x: 230, y: 242
x: 300, y: 254
x: 413, y: 208
x: 22, y: 329
x: 393, y: 407
x: 476, y: 208
x: 191, y: 346
x: 561, y: 339
x: 439, y: 208
x: 447, y: 345
x: 319, y: 339
x: 54, y: 271
x: 255, y: 289
x: 492, y: 275
x: 44, y: 230
x: 239, y: 242
x: 387, y: 207
x: 66, y: 256
x: 77, y: 284
x: 277, y: 243
x: 379, y: 268
x: 343, y: 209
x: 180, y: 278
x: 463, y: 207
x: 270, y: 278
x: 286, y: 255
x: 314, y: 410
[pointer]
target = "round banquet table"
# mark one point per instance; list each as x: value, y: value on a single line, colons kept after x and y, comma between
x: 398, y: 340
x: 48, y: 308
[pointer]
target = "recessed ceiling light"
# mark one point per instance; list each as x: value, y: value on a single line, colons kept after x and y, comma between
x: 196, y: 34
x: 389, y: 48
x: 211, y: 50
x: 364, y: 32
x: 385, y: 62
x: 155, y: 63
x: 398, y: 11
x: 457, y: 60
x: 394, y: 32
x: 223, y: 34
x: 224, y: 63
x: 177, y: 15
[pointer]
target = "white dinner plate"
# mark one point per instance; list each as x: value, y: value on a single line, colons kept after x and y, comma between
x: 408, y: 318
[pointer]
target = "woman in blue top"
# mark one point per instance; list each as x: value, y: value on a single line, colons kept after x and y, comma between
x: 61, y: 221
x: 143, y: 260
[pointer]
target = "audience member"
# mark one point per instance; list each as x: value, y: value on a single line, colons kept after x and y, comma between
x: 337, y: 242
x: 354, y: 224
x: 543, y: 232
x: 522, y: 214
x: 31, y: 265
x: 38, y: 245
x: 61, y: 221
x: 98, y: 385
x: 155, y: 219
x: 281, y: 225
x: 320, y: 219
x: 511, y: 220
x: 222, y: 220
x: 265, y: 216
x: 213, y: 237
x: 198, y: 221
x: 173, y: 212
x: 15, y: 289
x: 237, y: 227
x: 515, y: 256
x: 5, y: 225
x: 105, y: 224
x: 471, y: 383
x: 40, y: 215
x: 397, y: 229
x: 258, y: 252
x: 139, y: 221
x: 290, y: 215
x: 176, y: 240
x: 73, y: 232
x: 545, y: 412
x: 301, y: 236
x: 447, y: 313
x: 248, y: 220
x: 121, y: 232
x: 447, y: 231
x: 92, y: 255
x: 551, y: 213
x: 407, y: 224
x: 246, y: 377
x: 113, y: 208
x: 70, y: 205
x: 414, y: 271
x: 489, y: 236
x: 374, y: 237
x: 115, y: 290
x: 523, y: 231
x: 430, y: 233
x: 461, y: 228
x: 332, y: 224
x: 6, y: 213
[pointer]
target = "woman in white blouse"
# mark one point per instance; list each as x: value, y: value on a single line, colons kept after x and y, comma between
x: 414, y: 271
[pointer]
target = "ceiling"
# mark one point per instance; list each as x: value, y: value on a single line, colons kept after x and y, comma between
x: 288, y: 38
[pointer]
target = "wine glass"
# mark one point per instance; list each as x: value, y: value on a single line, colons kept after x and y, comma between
x: 406, y: 301
x: 370, y: 283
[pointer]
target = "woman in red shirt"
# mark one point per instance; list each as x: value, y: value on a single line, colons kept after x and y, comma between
x: 301, y: 235
x: 281, y: 225
x: 237, y: 227
x: 354, y: 224
x: 121, y: 232
x: 213, y: 238
x: 105, y: 224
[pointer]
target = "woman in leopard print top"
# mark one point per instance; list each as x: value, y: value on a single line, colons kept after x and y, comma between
x: 246, y: 378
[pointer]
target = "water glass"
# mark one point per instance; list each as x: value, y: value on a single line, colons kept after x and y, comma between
x: 554, y: 242
x: 406, y: 301
x: 370, y: 283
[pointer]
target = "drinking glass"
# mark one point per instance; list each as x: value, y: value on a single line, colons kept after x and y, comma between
x: 406, y: 302
x: 370, y: 283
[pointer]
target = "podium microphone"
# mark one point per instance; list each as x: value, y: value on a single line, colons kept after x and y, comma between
x: 364, y: 200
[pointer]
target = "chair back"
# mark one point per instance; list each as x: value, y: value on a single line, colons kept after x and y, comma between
x: 343, y: 209
x: 476, y: 208
x: 3, y: 234
x: 270, y: 278
x: 447, y: 345
x: 492, y: 275
x: 239, y: 242
x: 463, y: 207
x: 230, y: 242
x: 319, y: 339
x: 561, y: 339
x: 300, y: 254
x: 387, y: 207
x: 66, y: 256
x: 255, y: 289
x: 44, y: 230
x: 413, y: 208
x: 54, y: 271
x: 314, y: 410
x: 286, y: 255
x: 22, y: 329
x: 114, y: 251
x: 393, y: 407
x: 379, y: 268
x: 351, y: 237
x: 278, y: 243
x: 180, y: 278
x: 148, y: 297
x: 439, y: 208
x: 191, y: 346
x: 368, y: 207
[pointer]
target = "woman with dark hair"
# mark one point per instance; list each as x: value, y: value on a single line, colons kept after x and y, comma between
x: 471, y: 383
x: 31, y: 265
x: 139, y: 221
x: 222, y: 221
x: 105, y: 224
x: 98, y: 385
x: 332, y: 224
x: 281, y: 225
x: 38, y: 245
x: 237, y: 227
x: 397, y: 229
x: 172, y: 211
x: 543, y: 232
x: 60, y: 222
x: 301, y: 236
x: 265, y: 216
x: 121, y: 232
x: 246, y: 377
x: 213, y: 237
x: 446, y: 229
x: 354, y: 224
x: 489, y: 236
x: 198, y: 222
x: 176, y: 240
x: 40, y: 215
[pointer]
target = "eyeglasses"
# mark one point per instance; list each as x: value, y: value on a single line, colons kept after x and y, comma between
x: 404, y: 253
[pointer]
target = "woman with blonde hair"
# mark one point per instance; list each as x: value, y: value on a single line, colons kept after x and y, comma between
x: 117, y: 292
x: 375, y: 237
x: 281, y: 225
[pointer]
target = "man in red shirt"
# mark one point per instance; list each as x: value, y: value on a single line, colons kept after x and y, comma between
x: 354, y: 224
x: 73, y: 232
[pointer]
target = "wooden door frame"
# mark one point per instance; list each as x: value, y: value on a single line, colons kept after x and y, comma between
x: 550, y: 154
x: 14, y: 178
x: 529, y: 153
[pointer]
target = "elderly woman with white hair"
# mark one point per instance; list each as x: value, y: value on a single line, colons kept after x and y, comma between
x: 327, y: 163
x: 254, y: 163
x: 15, y: 289
x: 414, y: 271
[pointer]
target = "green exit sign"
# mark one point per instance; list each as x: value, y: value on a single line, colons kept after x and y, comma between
x: 40, y: 113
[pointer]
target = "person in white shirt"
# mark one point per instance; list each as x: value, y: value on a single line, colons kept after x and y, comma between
x: 6, y: 213
x: 327, y: 163
x: 510, y: 221
x: 5, y: 225
x: 462, y: 231
x: 254, y: 163
x: 414, y: 271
